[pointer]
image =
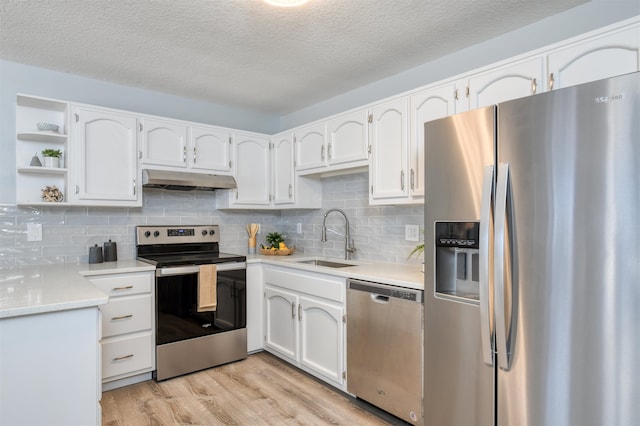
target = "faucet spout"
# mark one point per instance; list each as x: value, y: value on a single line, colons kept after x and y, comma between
x: 348, y: 243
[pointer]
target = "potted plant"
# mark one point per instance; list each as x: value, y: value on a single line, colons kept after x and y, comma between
x: 52, y: 157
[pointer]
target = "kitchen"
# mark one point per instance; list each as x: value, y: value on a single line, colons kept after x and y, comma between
x: 378, y: 230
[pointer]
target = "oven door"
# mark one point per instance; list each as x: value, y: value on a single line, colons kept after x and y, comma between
x: 177, y: 317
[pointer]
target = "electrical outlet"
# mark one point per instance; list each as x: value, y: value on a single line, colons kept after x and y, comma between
x: 412, y: 232
x: 299, y: 228
x: 34, y: 232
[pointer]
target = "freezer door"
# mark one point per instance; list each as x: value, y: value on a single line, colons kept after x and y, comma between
x: 458, y: 384
x: 571, y: 265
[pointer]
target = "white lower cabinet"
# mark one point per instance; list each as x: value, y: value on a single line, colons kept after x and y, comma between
x: 128, y: 338
x: 303, y: 321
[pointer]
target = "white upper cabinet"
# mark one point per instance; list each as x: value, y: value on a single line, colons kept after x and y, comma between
x: 104, y: 150
x: 513, y: 81
x: 282, y: 155
x: 426, y: 105
x: 164, y: 143
x: 388, y: 133
x: 311, y: 147
x: 596, y: 58
x: 209, y: 149
x: 348, y: 138
x: 252, y: 170
x: 265, y: 176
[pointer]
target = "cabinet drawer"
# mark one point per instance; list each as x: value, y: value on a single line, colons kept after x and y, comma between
x: 124, y: 284
x: 126, y: 315
x: 127, y: 355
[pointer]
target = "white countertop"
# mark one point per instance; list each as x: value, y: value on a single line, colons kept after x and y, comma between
x: 401, y: 275
x: 50, y: 288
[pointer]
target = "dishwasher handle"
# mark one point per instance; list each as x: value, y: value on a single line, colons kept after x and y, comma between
x: 382, y: 293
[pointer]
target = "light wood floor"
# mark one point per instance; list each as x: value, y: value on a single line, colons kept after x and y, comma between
x: 261, y: 390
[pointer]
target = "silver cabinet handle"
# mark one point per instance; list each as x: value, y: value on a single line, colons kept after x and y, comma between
x: 293, y: 310
x: 120, y: 358
x: 504, y: 357
x: 140, y: 127
x: 121, y: 317
x: 184, y: 153
x: 484, y: 256
x: 77, y: 189
x: 402, y: 180
x: 77, y: 117
x: 194, y: 155
x: 413, y: 178
x: 322, y: 153
x: 134, y: 186
x: 290, y: 191
x: 534, y: 86
x: 329, y: 151
x: 127, y: 287
x: 551, y: 81
x: 299, y: 312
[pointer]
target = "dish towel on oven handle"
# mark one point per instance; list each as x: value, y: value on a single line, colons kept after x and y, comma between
x: 207, y: 296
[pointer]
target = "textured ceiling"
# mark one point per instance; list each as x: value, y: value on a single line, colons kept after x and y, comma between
x: 246, y: 53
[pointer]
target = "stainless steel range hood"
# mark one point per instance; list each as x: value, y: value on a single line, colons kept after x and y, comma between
x: 182, y: 181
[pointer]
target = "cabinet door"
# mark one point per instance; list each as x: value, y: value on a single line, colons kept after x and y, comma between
x: 255, y: 330
x: 511, y: 82
x: 425, y: 106
x: 389, y: 143
x: 595, y: 59
x: 311, y: 149
x: 164, y: 143
x: 252, y: 170
x: 348, y: 138
x: 209, y: 149
x: 280, y: 322
x: 106, y: 169
x: 283, y: 173
x: 321, y: 337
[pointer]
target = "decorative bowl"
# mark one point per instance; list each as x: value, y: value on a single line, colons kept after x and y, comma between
x: 283, y: 252
x: 48, y: 127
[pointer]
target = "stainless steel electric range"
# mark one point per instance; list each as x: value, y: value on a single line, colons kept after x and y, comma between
x: 188, y: 340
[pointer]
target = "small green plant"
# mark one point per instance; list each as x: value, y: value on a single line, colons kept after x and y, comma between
x: 52, y: 153
x: 274, y: 239
x: 417, y: 251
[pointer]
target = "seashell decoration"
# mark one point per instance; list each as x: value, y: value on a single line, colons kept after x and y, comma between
x: 52, y: 194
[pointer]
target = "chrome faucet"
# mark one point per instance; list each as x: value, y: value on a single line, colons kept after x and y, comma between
x: 348, y: 242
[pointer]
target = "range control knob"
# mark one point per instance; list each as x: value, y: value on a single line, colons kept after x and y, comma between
x: 156, y: 234
x: 211, y: 232
x: 147, y: 234
x: 204, y: 233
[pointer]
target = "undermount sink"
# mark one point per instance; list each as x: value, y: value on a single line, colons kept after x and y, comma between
x: 327, y: 263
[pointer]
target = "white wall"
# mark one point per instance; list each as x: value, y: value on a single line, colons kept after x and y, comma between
x: 573, y: 22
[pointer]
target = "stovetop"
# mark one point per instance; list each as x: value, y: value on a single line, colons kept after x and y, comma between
x: 179, y: 259
x: 181, y: 245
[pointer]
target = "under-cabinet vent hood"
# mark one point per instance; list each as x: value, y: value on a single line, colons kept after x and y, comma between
x: 182, y: 181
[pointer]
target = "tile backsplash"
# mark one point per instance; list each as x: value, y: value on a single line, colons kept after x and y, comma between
x: 68, y: 232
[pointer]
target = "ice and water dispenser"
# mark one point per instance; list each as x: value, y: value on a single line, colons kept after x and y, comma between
x: 457, y: 258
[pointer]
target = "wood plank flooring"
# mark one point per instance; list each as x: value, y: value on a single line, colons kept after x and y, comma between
x: 261, y: 390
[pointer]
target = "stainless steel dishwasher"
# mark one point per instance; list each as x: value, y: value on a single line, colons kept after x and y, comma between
x: 384, y: 347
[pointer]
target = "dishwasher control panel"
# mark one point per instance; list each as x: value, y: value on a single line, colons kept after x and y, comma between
x: 387, y: 290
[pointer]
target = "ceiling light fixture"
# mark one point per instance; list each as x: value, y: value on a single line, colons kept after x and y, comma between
x: 286, y: 3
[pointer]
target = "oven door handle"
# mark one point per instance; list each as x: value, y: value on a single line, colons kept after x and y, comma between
x: 194, y: 269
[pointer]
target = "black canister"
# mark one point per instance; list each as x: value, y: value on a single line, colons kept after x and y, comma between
x: 95, y: 254
x: 110, y: 251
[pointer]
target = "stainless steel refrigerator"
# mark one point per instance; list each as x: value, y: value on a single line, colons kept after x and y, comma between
x: 532, y: 260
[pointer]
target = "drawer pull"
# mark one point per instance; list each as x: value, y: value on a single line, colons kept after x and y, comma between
x: 120, y: 358
x: 127, y: 287
x: 121, y: 317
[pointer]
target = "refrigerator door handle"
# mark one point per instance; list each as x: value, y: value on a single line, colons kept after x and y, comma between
x: 484, y: 264
x: 504, y: 357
